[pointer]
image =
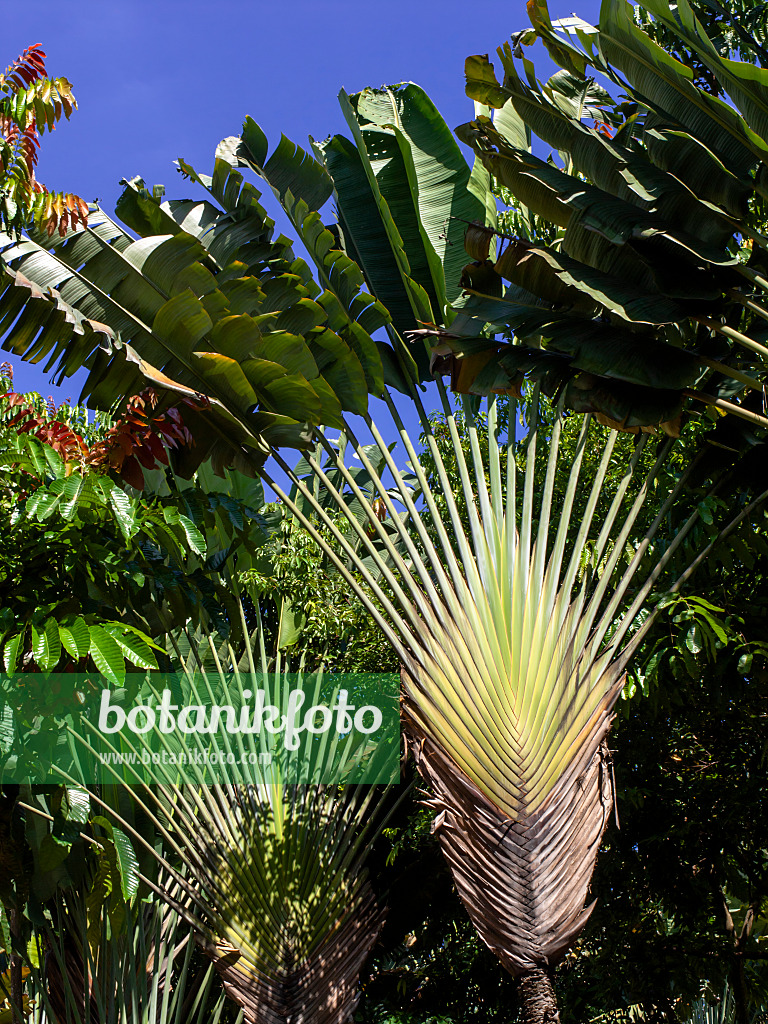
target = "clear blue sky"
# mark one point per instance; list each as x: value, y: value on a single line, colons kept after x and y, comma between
x: 164, y: 79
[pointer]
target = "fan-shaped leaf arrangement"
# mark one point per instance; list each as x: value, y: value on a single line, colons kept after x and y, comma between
x: 515, y: 605
x: 269, y: 873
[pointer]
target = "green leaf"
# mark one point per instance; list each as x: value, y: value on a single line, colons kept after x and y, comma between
x: 121, y: 505
x: 76, y: 638
x: 183, y: 321
x: 78, y: 805
x: 289, y: 351
x: 133, y: 645
x: 289, y: 170
x: 226, y: 378
x: 745, y: 664
x: 42, y: 504
x: 716, y: 627
x: 54, y: 643
x: 69, y: 498
x: 705, y: 512
x: 745, y: 83
x: 11, y: 652
x: 290, y: 624
x: 40, y: 648
x: 7, y: 731
x: 666, y: 84
x: 693, y: 639
x: 195, y: 538
x: 604, y: 162
x: 436, y: 179
x: 33, y: 952
x: 5, y: 931
x: 556, y: 277
x: 481, y: 82
x: 127, y: 861
x: 107, y: 655
x: 256, y: 141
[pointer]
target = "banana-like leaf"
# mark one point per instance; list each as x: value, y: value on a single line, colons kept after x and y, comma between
x: 210, y: 307
x: 650, y: 220
x: 437, y: 181
x: 555, y: 276
x: 622, y: 171
x: 666, y: 85
x: 403, y: 189
x: 558, y: 196
x: 746, y: 84
x: 690, y: 160
x: 369, y: 233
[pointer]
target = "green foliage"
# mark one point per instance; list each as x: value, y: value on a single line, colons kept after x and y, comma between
x: 306, y: 605
x: 633, y: 254
x: 404, y: 191
x: 93, y: 576
x: 140, y: 963
x: 636, y: 242
x: 207, y: 304
x: 429, y: 965
x: 739, y: 32
x: 682, y: 887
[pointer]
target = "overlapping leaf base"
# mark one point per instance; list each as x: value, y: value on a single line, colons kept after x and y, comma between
x: 514, y: 592
x: 524, y: 881
x: 319, y: 989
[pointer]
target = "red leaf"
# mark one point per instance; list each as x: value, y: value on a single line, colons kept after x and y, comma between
x: 132, y: 474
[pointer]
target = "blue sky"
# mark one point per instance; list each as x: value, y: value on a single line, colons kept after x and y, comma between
x: 160, y: 80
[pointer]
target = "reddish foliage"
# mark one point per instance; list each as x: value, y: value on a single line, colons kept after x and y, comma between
x: 69, y: 445
x: 61, y: 209
x: 604, y: 129
x: 27, y: 68
x: 136, y: 440
x: 18, y: 159
x: 24, y: 143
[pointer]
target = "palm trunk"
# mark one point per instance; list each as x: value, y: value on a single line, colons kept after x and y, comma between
x: 537, y: 997
x: 14, y: 921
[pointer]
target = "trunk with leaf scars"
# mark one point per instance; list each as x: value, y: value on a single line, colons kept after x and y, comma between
x: 537, y: 997
x: 16, y: 965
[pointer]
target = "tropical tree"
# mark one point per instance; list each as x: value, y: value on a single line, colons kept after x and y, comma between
x: 268, y: 871
x: 514, y: 630
x: 93, y: 574
x: 107, y: 956
x: 683, y: 883
x: 31, y: 104
x: 213, y: 306
x: 87, y: 570
x: 306, y: 609
x: 737, y: 32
